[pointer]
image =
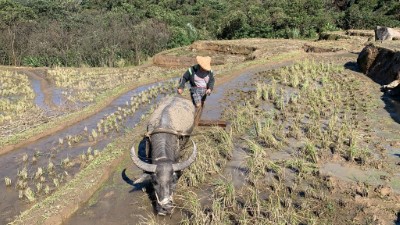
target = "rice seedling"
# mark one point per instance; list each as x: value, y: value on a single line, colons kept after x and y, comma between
x: 56, y: 182
x: 90, y: 158
x: 66, y: 162
x: 34, y: 159
x: 60, y: 141
x: 47, y: 189
x: 24, y: 157
x: 294, y: 80
x: 265, y: 133
x: 7, y: 181
x: 310, y: 152
x: 39, y: 187
x: 21, y: 184
x: 98, y: 128
x: 94, y: 134
x: 29, y: 194
x: 83, y: 157
x: 149, y: 220
x: 23, y: 174
x: 89, y: 151
x: 300, y: 166
x: 20, y: 194
x: 50, y: 167
x: 38, y: 173
x: 190, y: 201
x: 224, y: 192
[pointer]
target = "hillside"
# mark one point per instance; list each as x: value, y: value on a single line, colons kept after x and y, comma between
x: 126, y: 32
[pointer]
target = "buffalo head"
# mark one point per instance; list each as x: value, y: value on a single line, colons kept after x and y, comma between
x: 164, y: 177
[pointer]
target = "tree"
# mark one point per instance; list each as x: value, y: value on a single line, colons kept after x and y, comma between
x: 12, y: 18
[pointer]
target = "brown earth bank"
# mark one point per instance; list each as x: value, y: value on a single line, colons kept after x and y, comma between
x: 380, y: 64
x: 273, y: 50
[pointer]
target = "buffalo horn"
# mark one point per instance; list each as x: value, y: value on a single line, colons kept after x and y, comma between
x: 142, y: 165
x: 182, y: 165
x: 143, y: 178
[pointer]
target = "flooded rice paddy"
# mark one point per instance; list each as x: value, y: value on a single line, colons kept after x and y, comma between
x: 119, y: 202
x: 51, y: 161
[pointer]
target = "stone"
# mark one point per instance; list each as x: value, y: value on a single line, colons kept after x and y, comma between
x: 386, y: 33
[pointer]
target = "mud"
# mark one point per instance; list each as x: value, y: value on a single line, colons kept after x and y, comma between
x: 118, y: 201
x: 315, y: 49
x: 108, y: 209
x: 50, y: 149
x: 218, y: 100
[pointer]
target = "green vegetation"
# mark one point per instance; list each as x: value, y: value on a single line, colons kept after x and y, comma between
x: 126, y: 32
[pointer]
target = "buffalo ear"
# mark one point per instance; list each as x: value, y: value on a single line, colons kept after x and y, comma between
x: 145, y: 177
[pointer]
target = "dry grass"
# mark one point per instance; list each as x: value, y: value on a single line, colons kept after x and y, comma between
x: 84, y: 85
x: 308, y: 101
x: 16, y: 96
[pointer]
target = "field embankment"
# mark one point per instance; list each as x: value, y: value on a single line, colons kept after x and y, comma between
x: 380, y: 63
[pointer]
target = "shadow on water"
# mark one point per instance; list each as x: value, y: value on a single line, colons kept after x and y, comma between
x: 392, y: 106
x: 144, y: 184
x: 142, y: 155
x: 397, y: 222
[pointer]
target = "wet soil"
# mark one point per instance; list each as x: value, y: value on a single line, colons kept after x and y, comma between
x: 50, y: 149
x: 118, y: 201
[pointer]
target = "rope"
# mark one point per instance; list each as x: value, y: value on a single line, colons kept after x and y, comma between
x: 168, y: 131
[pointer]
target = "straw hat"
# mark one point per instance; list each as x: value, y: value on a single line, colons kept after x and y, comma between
x: 204, y: 62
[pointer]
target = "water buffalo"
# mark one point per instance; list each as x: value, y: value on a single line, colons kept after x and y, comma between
x: 168, y: 131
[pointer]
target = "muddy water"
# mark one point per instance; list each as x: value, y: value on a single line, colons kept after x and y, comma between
x: 57, y: 97
x: 39, y: 95
x: 50, y: 149
x: 117, y: 202
x: 216, y: 102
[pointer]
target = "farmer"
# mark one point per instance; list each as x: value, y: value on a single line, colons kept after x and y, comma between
x: 201, y: 79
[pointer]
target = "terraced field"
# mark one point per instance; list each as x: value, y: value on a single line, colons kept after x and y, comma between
x: 310, y: 141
